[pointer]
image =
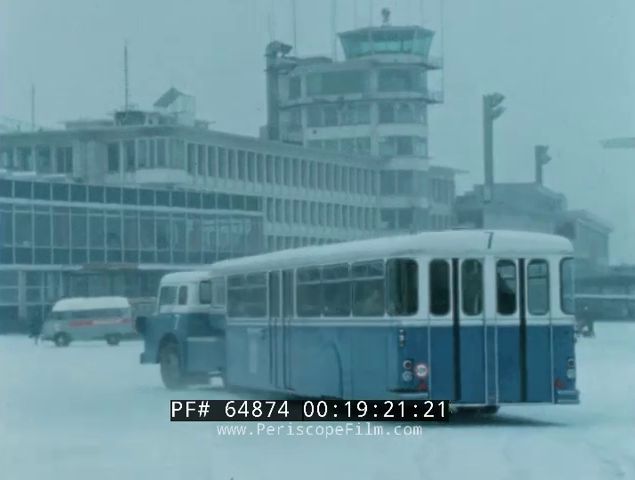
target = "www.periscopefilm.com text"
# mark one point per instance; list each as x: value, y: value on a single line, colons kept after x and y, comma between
x: 318, y: 430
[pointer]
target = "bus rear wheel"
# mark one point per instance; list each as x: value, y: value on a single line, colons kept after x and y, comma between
x: 61, y: 340
x: 171, y: 368
x: 486, y: 410
x: 113, y: 339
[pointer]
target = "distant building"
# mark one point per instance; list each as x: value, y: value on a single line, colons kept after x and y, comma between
x: 374, y: 103
x: 106, y: 206
x: 533, y: 207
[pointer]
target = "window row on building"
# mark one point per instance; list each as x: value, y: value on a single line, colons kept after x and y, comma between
x: 284, y: 242
x: 355, y: 145
x: 235, y: 164
x: 72, y: 235
x: 395, y: 145
x: 321, y: 214
x: 344, y: 82
x: 40, y: 158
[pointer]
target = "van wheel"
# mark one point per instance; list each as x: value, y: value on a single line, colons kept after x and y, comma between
x: 61, y: 340
x: 113, y: 339
x: 171, y: 368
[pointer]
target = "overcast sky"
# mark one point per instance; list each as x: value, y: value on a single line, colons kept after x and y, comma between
x: 567, y: 68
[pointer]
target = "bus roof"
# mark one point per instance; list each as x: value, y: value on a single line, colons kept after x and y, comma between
x: 90, y: 303
x: 444, y: 243
x: 185, y: 277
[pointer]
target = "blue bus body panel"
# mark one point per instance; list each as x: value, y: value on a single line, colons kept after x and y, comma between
x: 492, y: 371
x: 472, y: 377
x: 539, y: 368
x: 508, y: 364
x: 442, y: 363
x: 563, y: 353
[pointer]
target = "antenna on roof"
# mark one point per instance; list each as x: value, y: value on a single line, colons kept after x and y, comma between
x: 295, y: 26
x: 334, y: 29
x: 355, y: 14
x: 33, y: 107
x: 125, y: 74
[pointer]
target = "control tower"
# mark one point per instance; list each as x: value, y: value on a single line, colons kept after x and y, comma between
x: 372, y: 103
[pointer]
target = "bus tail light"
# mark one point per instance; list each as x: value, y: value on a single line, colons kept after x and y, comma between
x: 402, y: 338
x: 421, y: 370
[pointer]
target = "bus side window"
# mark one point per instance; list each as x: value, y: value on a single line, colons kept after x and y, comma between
x: 567, y: 302
x: 538, y: 287
x: 402, y: 287
x: 368, y: 289
x: 167, y: 296
x: 218, y: 292
x: 336, y: 285
x: 183, y: 295
x: 506, y: 287
x: 205, y: 292
x: 309, y: 292
x: 439, y: 272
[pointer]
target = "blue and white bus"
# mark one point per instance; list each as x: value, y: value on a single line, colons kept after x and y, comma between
x: 475, y: 317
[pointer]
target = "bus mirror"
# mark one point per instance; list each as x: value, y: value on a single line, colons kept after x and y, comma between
x: 140, y: 325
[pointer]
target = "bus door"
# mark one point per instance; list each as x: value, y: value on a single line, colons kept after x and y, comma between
x: 510, y: 320
x: 537, y: 334
x: 457, y: 330
x: 468, y: 330
x: 280, y: 316
x: 288, y: 295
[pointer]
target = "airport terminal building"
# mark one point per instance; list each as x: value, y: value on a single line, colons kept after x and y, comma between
x: 108, y: 206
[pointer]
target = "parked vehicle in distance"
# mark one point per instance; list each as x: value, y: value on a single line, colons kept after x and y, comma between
x: 91, y: 318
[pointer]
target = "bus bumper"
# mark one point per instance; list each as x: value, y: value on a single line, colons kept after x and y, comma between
x: 571, y: 397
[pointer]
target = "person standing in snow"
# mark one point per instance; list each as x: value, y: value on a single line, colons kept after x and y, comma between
x: 35, y: 329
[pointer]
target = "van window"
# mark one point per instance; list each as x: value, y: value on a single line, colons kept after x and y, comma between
x: 218, y: 291
x: 183, y: 295
x: 439, y: 272
x: 538, y: 287
x: 506, y: 287
x: 205, y: 292
x: 167, y: 295
x: 368, y: 289
x: 402, y: 286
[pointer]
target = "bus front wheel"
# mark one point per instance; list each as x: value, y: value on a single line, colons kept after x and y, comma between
x: 171, y: 368
x: 61, y: 340
x: 113, y: 339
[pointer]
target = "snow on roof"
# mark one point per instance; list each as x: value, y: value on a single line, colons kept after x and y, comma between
x: 446, y: 244
x: 90, y: 303
x: 185, y: 277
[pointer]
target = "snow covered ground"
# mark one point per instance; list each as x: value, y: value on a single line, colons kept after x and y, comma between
x: 92, y: 412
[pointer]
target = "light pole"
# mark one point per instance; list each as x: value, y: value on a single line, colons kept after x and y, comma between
x: 492, y: 109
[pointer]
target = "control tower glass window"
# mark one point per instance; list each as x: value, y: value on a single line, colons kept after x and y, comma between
x: 401, y: 80
x: 337, y: 83
x: 387, y: 40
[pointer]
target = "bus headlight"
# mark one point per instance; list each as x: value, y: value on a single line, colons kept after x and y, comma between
x: 571, y: 373
x: 421, y: 370
x: 407, y: 376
